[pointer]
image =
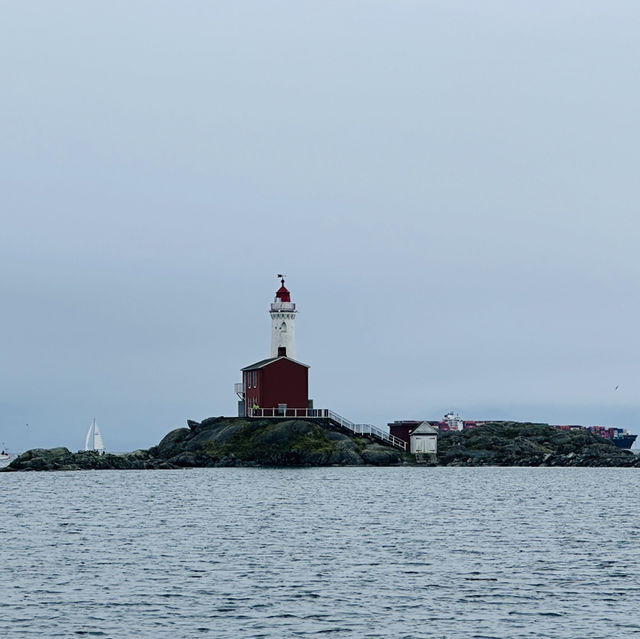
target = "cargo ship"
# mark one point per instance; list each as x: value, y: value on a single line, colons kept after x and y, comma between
x: 621, y: 437
x: 625, y: 440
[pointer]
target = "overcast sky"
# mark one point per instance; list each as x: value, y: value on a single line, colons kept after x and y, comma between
x: 451, y: 188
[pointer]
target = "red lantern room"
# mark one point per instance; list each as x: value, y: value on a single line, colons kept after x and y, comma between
x: 282, y: 294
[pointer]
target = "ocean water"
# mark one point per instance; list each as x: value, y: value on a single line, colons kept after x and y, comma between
x: 322, y: 552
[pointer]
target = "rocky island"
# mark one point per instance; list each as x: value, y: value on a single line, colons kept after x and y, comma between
x: 239, y: 441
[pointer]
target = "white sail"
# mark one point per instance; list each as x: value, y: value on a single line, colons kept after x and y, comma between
x: 89, y: 439
x: 94, y: 438
x: 98, y: 444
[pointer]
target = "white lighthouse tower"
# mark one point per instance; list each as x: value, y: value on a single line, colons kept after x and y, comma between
x: 283, y: 323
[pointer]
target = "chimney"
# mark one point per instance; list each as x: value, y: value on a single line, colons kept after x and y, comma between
x: 282, y: 351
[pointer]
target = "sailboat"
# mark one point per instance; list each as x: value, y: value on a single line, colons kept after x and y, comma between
x: 94, y: 439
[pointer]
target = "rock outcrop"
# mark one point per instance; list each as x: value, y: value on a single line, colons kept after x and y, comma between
x: 64, y: 459
x: 237, y: 441
x: 229, y: 441
x: 525, y: 444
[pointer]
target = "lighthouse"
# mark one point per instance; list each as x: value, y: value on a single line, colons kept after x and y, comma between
x: 283, y: 323
x: 279, y: 385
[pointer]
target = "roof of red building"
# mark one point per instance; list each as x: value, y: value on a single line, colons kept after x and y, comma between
x: 265, y: 362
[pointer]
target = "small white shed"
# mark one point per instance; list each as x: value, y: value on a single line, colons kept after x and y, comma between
x: 424, y: 439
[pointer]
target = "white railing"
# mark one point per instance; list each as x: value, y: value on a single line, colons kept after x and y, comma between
x: 283, y: 306
x: 358, y: 429
x: 288, y: 412
x: 367, y: 429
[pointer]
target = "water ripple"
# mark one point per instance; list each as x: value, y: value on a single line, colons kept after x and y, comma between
x: 331, y: 552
